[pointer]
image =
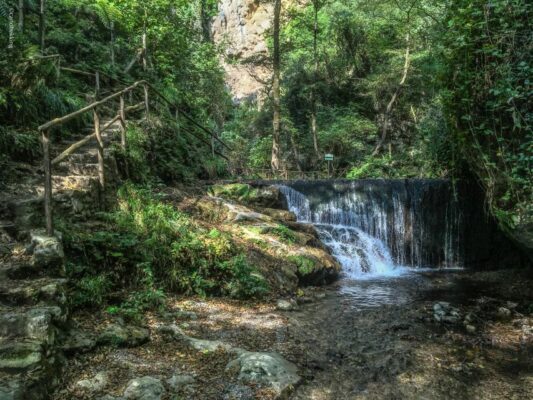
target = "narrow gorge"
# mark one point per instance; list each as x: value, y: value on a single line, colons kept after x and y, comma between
x: 266, y: 200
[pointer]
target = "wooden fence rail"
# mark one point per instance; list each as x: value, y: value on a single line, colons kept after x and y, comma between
x: 46, y: 128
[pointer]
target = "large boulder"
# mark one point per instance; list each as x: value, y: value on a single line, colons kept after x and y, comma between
x: 315, y: 266
x: 266, y: 369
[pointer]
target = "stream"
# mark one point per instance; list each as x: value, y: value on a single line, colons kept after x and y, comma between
x: 373, y: 335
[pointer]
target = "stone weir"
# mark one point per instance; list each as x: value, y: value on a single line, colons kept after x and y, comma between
x: 418, y: 222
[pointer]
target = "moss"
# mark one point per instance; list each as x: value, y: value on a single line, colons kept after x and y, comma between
x: 304, y: 264
x: 234, y: 191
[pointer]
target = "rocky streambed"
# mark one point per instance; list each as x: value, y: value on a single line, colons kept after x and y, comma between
x: 434, y: 335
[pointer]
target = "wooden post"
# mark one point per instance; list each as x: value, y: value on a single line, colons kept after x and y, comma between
x: 41, y: 25
x: 145, y: 50
x: 48, y: 212
x: 122, y: 114
x: 100, y: 143
x: 146, y: 101
x: 112, y: 42
x: 122, y: 119
x: 96, y: 84
x: 177, y: 114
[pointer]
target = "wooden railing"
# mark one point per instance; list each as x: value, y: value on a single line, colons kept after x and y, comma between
x: 268, y: 174
x: 46, y: 128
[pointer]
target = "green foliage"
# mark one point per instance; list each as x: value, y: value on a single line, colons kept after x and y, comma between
x: 149, y: 245
x: 91, y: 291
x: 235, y: 191
x: 487, y: 52
x: 284, y: 233
x: 181, y: 63
x: 305, y: 265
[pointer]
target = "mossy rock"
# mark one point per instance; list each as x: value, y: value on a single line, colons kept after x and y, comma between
x: 264, y: 196
x: 315, y: 267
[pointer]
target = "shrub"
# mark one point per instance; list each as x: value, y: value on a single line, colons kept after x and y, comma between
x: 149, y: 245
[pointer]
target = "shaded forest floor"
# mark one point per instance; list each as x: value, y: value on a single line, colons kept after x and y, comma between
x: 352, y: 340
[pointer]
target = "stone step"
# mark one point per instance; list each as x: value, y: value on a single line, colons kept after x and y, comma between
x: 23, y: 269
x: 21, y: 355
x: 30, y: 323
x: 46, y: 291
x: 74, y: 183
x: 87, y: 155
x: 76, y: 168
x: 29, y: 370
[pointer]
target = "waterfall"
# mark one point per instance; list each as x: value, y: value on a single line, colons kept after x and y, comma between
x: 380, y: 227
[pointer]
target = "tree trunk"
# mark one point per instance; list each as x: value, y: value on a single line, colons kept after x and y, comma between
x: 112, y: 42
x: 21, y: 15
x: 390, y: 105
x: 295, y: 152
x: 276, y: 120
x: 315, y: 77
x: 205, y: 21
x: 41, y: 25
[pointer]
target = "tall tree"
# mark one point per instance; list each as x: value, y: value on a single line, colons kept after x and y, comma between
x: 316, y: 6
x: 276, y: 97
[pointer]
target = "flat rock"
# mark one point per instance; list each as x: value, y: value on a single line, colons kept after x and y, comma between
x: 178, y: 381
x: 266, y: 369
x: 145, y: 388
x: 197, y: 344
x: 123, y: 336
x: 33, y: 323
x: 96, y: 383
x: 238, y: 392
x: 21, y: 355
x: 78, y: 341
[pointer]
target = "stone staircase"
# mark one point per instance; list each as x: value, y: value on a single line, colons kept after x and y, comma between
x: 33, y: 302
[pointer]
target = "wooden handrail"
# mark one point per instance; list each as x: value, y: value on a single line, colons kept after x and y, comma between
x: 46, y: 128
x: 71, y: 149
x: 187, y: 116
x: 77, y: 71
x: 92, y: 106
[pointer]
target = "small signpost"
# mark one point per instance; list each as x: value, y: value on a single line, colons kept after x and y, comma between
x: 329, y: 158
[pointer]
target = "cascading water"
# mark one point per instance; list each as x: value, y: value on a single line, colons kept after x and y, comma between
x: 377, y: 228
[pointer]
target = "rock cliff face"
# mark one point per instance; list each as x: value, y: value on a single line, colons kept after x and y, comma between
x: 241, y: 26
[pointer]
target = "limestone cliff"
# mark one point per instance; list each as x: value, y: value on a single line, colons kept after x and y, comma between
x: 241, y: 26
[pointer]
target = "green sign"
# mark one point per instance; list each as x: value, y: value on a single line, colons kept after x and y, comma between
x: 328, y: 157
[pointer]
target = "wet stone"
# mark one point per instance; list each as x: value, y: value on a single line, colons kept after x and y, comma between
x: 444, y: 312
